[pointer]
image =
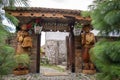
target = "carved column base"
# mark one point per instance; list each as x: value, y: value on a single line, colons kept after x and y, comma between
x: 88, y: 71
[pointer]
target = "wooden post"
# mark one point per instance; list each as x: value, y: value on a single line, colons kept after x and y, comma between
x: 38, y: 53
x: 70, y: 53
x: 68, y: 57
x: 72, y: 49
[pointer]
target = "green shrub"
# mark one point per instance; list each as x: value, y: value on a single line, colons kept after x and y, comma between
x: 106, y: 56
x: 7, y: 62
x: 22, y: 59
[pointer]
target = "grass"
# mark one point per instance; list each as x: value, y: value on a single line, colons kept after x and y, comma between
x: 53, y: 67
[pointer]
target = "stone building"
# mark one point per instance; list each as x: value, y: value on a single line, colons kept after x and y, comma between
x: 56, y: 49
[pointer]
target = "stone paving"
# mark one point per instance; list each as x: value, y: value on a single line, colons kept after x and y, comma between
x: 40, y: 76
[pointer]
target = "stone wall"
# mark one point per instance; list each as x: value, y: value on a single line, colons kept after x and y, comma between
x: 62, y: 51
x: 56, y: 51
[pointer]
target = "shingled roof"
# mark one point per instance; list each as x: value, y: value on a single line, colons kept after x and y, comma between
x: 45, y: 10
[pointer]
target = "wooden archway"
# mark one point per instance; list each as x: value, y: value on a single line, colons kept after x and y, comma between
x: 51, y: 19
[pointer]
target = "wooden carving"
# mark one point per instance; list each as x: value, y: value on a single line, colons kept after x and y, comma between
x: 24, y: 40
x: 27, y: 42
x: 88, y: 40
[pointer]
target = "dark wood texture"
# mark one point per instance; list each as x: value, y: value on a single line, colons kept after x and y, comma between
x: 68, y: 57
x: 38, y: 53
x: 72, y: 50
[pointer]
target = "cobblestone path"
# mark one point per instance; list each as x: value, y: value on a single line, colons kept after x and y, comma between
x: 30, y: 76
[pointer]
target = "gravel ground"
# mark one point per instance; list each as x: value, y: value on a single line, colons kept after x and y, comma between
x: 40, y: 76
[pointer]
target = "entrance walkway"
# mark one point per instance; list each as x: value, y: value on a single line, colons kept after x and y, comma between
x: 42, y: 76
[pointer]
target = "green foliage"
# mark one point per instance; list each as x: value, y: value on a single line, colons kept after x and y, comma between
x: 53, y: 67
x: 113, y: 51
x: 12, y: 3
x: 78, y: 25
x: 7, y: 61
x: 22, y: 58
x: 3, y: 34
x: 85, y: 13
x: 106, y: 16
x: 41, y: 50
x: 13, y: 19
x: 0, y: 1
x: 106, y: 55
x: 44, y: 60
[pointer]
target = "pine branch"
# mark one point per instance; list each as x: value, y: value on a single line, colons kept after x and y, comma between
x: 13, y: 20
